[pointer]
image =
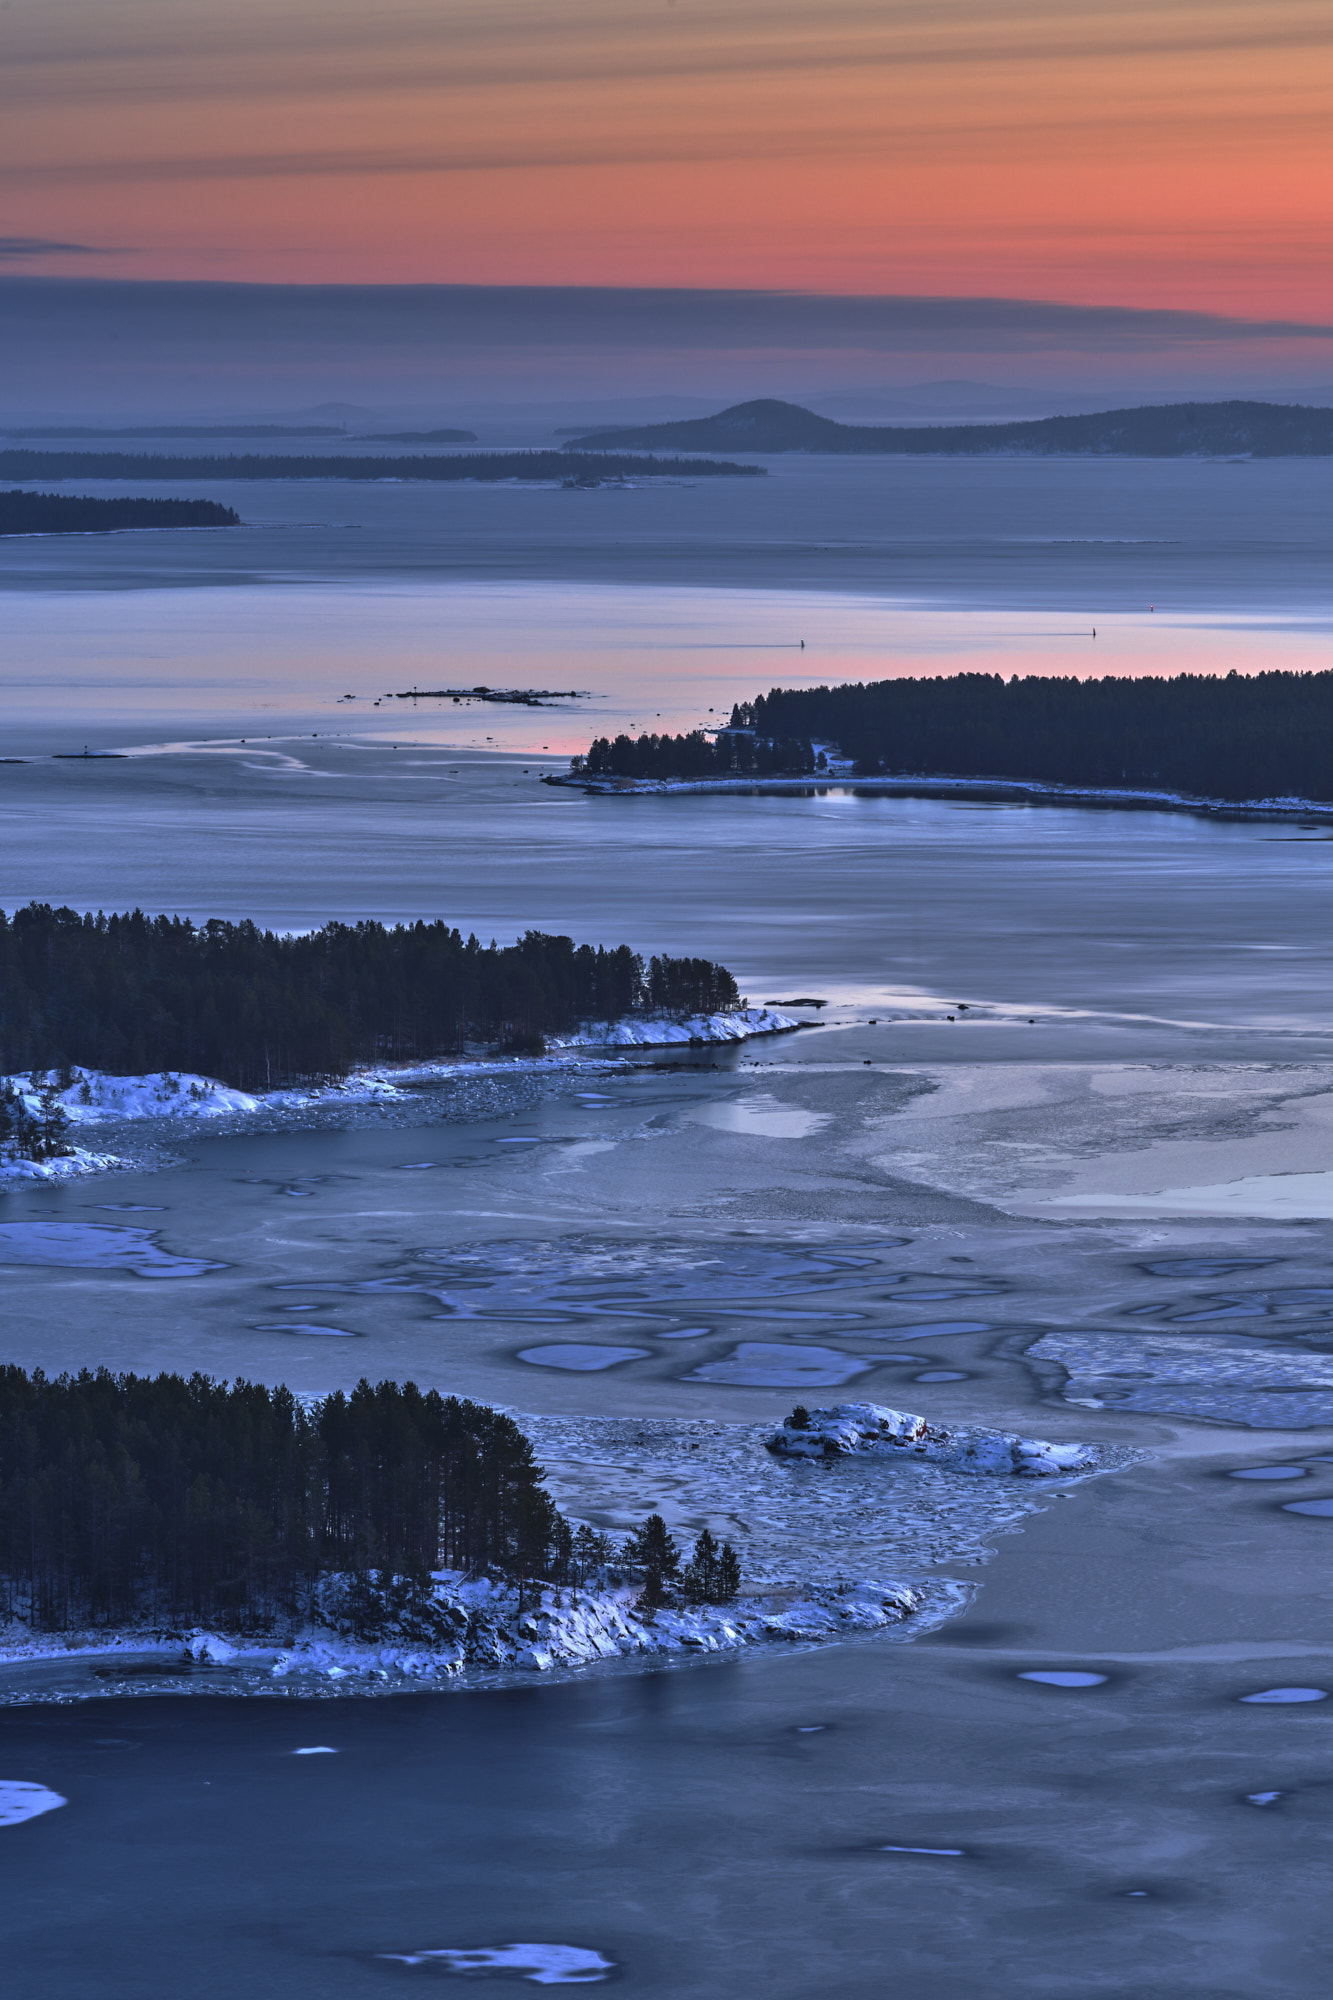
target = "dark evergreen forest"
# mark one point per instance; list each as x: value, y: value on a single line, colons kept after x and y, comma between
x: 69, y: 514
x: 1233, y: 736
x: 260, y: 1009
x: 132, y: 1498
x: 482, y: 465
x: 125, y: 1497
x: 1236, y: 737
x: 734, y: 754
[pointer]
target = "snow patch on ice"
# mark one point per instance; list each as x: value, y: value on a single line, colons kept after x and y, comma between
x: 20, y: 1801
x: 542, y: 1964
x: 868, y: 1428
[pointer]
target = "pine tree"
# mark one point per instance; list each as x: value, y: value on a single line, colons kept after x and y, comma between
x: 652, y: 1552
x: 728, y: 1574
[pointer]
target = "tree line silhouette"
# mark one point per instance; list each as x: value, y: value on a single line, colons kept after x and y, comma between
x: 260, y: 1009
x: 736, y: 753
x: 480, y: 465
x: 130, y: 1498
x: 1233, y: 736
x: 70, y: 514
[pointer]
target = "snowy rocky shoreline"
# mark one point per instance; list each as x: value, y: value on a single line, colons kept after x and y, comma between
x: 95, y: 1097
x: 475, y: 1630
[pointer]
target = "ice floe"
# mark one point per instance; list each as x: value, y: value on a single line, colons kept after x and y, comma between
x: 542, y: 1964
x: 1264, y: 1387
x: 582, y: 1358
x: 868, y: 1428
x: 1063, y: 1677
x: 97, y: 1246
x: 20, y: 1801
x: 1283, y: 1695
x: 757, y: 1364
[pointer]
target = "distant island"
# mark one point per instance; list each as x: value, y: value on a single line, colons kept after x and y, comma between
x: 417, y: 437
x: 1236, y: 738
x: 65, y: 514
x: 1170, y: 430
x: 177, y: 431
x: 491, y: 465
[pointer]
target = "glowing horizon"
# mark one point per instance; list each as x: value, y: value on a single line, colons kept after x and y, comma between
x: 1103, y: 154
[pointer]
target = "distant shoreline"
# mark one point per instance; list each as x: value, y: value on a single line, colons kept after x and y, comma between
x: 1023, y: 790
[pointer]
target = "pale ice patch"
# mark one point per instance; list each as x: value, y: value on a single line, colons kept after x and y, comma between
x: 20, y: 1801
x: 940, y: 1375
x: 1269, y: 1472
x: 1262, y: 1798
x: 1323, y: 1508
x: 761, y: 1118
x: 1061, y: 1677
x: 98, y: 1246
x: 542, y: 1964
x: 1287, y: 1695
x: 315, y: 1750
x: 1295, y: 1197
x: 886, y: 1849
x: 308, y: 1326
x: 756, y: 1364
x: 929, y: 1329
x: 584, y: 1358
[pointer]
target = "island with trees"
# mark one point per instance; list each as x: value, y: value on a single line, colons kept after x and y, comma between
x: 162, y: 1503
x: 23, y: 513
x: 1260, y: 740
x: 259, y: 1009
x: 487, y: 467
x: 1168, y: 430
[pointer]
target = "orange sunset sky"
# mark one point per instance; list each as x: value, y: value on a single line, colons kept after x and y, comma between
x: 1165, y: 155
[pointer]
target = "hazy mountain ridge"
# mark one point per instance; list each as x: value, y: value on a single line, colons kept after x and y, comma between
x: 1172, y: 430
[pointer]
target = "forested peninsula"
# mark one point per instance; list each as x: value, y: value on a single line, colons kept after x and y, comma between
x: 258, y: 1009
x: 65, y: 514
x: 1170, y: 430
x: 484, y: 466
x: 129, y: 1499
x: 1236, y: 737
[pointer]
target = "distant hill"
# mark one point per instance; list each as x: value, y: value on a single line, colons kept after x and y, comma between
x: 1168, y: 430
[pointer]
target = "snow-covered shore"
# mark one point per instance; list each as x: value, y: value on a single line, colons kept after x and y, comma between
x: 479, y: 1628
x: 840, y: 774
x: 95, y: 1097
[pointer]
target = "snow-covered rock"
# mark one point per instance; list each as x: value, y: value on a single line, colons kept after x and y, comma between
x: 868, y: 1428
x: 61, y: 1167
x: 95, y: 1096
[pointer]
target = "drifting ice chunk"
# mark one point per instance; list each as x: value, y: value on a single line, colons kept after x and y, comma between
x: 848, y: 1428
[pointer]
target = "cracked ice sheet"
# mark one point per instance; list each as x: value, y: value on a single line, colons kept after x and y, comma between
x: 1177, y: 1375
x: 791, y: 1522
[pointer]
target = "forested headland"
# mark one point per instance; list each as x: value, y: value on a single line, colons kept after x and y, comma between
x: 485, y: 466
x: 129, y: 1499
x: 1237, y: 737
x: 262, y: 1009
x: 1166, y: 430
x: 69, y: 514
